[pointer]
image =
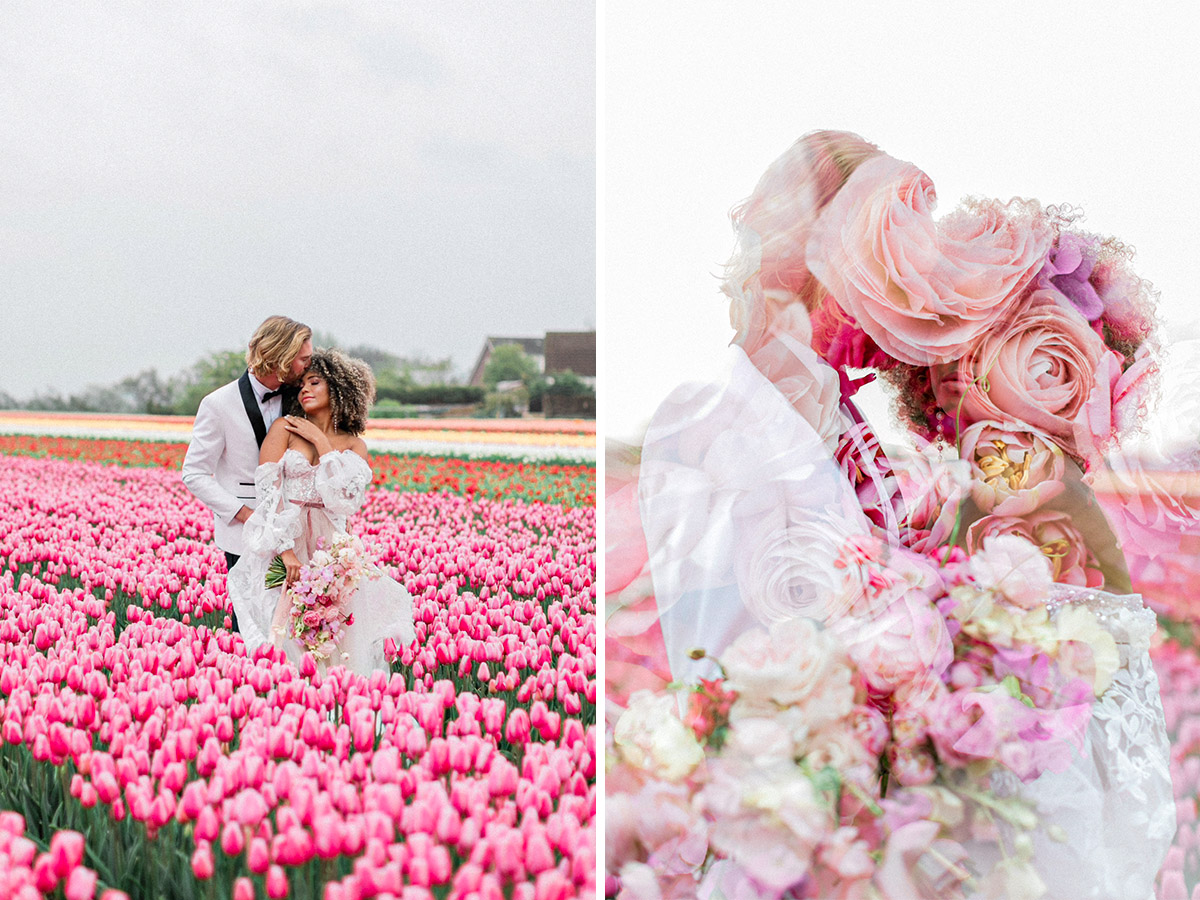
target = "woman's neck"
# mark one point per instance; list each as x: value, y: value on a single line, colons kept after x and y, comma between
x: 323, y: 419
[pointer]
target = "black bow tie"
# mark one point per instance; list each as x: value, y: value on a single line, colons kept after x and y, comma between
x: 269, y: 394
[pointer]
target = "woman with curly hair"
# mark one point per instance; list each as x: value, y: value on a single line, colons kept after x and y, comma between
x: 313, y: 473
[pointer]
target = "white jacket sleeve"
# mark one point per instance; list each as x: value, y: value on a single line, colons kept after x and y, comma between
x: 200, y: 464
x: 275, y: 524
x: 342, y: 482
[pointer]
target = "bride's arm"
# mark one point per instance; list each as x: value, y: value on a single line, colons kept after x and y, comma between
x: 1080, y: 502
x: 275, y: 444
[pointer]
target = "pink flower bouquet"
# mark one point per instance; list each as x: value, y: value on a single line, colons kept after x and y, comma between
x: 320, y: 596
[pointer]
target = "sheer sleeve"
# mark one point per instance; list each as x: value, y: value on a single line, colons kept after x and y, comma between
x: 275, y: 524
x: 744, y: 511
x: 342, y: 482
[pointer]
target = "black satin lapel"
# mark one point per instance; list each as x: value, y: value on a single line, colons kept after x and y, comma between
x: 251, y: 404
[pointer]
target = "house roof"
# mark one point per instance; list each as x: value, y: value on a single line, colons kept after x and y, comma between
x: 573, y: 351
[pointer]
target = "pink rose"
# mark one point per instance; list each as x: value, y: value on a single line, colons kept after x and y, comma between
x: 1070, y: 559
x: 1015, y: 471
x: 922, y: 290
x: 1041, y: 368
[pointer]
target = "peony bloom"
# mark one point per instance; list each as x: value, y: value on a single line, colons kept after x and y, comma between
x: 933, y: 489
x: 1014, y: 567
x: 1043, y: 368
x: 921, y: 290
x: 1070, y: 559
x: 768, y: 820
x: 1015, y: 471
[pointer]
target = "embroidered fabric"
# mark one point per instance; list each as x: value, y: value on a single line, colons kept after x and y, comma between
x: 300, y: 503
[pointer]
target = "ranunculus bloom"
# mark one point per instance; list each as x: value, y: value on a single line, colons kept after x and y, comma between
x: 922, y: 290
x: 1015, y: 471
x: 1053, y: 532
x: 797, y: 667
x: 1040, y: 367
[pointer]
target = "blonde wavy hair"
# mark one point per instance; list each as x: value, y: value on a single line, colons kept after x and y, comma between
x: 767, y: 271
x: 275, y: 345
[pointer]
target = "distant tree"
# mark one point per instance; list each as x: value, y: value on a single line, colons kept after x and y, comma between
x: 379, y: 360
x: 205, y: 376
x: 424, y: 371
x: 509, y: 362
x: 48, y: 400
x: 148, y: 393
x: 7, y: 401
x: 568, y: 384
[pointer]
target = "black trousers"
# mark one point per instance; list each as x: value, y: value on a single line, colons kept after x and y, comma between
x: 230, y: 561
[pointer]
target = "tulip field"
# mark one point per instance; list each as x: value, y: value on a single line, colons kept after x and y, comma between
x: 144, y: 754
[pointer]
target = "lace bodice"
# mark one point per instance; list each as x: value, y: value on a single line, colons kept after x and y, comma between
x: 292, y: 488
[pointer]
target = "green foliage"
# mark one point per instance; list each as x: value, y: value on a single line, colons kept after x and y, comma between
x: 509, y: 362
x: 392, y: 409
x: 435, y: 395
x: 568, y: 384
x: 205, y: 376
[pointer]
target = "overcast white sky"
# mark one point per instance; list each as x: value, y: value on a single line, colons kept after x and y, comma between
x: 411, y: 175
x: 1090, y: 104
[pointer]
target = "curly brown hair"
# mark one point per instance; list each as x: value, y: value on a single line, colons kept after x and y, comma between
x: 351, y: 388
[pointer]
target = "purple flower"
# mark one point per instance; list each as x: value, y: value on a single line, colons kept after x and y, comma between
x: 1068, y: 269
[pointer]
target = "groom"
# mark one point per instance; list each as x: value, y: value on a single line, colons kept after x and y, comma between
x: 233, y: 420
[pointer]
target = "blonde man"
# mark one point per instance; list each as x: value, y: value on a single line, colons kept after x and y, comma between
x: 232, y: 422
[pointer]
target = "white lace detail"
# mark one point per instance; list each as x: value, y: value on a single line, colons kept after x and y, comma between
x: 1115, y: 802
x: 341, y: 480
x: 275, y: 524
x: 302, y: 504
x: 1124, y: 616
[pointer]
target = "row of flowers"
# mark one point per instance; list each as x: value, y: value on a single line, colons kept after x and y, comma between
x: 572, y: 484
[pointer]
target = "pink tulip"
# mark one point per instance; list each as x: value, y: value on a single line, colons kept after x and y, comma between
x: 202, y: 861
x: 81, y: 884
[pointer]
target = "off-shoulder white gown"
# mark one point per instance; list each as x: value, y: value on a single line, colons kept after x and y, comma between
x: 299, y: 503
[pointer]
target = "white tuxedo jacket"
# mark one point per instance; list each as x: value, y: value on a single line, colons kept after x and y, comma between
x: 220, y: 462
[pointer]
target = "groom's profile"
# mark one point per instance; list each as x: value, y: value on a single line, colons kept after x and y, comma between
x: 233, y: 420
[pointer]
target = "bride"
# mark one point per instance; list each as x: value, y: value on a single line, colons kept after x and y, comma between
x: 1012, y: 337
x: 313, y: 473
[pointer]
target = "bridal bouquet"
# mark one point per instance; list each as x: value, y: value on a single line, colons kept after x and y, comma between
x: 320, y: 596
x: 865, y: 757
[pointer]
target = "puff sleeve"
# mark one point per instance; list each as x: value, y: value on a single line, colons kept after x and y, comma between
x: 276, y: 524
x: 342, y: 481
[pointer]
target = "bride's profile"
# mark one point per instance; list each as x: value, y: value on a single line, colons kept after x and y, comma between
x: 863, y: 676
x: 313, y: 474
